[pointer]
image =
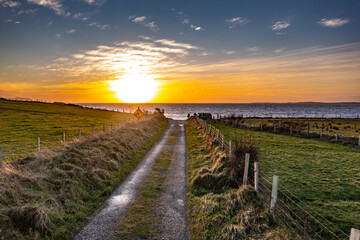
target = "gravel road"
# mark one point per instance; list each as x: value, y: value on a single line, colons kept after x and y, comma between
x: 172, y: 208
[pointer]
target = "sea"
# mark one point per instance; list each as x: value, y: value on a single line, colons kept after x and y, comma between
x: 180, y: 111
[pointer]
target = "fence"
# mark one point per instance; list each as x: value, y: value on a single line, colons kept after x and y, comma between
x: 64, y: 139
x: 294, y: 129
x: 302, y: 220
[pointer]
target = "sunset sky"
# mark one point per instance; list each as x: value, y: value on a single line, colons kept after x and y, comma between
x: 190, y: 51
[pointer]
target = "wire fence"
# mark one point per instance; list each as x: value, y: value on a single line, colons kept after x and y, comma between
x: 302, y: 220
x: 66, y: 137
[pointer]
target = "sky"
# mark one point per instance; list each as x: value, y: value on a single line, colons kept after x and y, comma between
x: 199, y: 51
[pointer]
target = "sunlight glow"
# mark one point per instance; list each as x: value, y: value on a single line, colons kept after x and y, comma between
x: 135, y: 88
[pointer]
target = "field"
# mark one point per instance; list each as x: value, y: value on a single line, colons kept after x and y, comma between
x: 324, y: 175
x: 344, y: 127
x: 23, y: 122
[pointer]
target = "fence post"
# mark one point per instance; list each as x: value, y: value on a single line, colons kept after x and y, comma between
x: 38, y: 145
x: 230, y: 150
x: 64, y: 138
x: 256, y: 176
x: 359, y: 142
x: 274, y: 193
x: 79, y: 132
x: 1, y: 156
x: 246, y: 169
x: 290, y: 130
x: 223, y: 141
x: 321, y: 134
x: 336, y: 136
x: 308, y: 130
x: 274, y: 127
x: 261, y: 127
x: 218, y: 136
x: 354, y: 234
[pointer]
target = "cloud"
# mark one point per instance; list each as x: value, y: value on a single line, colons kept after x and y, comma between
x: 28, y: 11
x: 333, y: 22
x: 186, y: 21
x: 279, y: 50
x: 172, y: 43
x: 196, y: 28
x: 95, y: 2
x: 252, y: 49
x: 100, y: 26
x: 280, y: 25
x: 233, y: 22
x: 70, y: 31
x: 9, y: 20
x: 142, y: 20
x: 54, y: 5
x: 9, y: 3
x: 229, y: 52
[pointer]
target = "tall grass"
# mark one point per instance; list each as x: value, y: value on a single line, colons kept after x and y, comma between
x: 50, y: 194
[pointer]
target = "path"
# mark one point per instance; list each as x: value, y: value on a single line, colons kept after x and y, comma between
x: 172, y: 207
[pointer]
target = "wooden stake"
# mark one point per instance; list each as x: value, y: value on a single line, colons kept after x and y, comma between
x: 321, y: 133
x: 354, y: 234
x: 274, y: 194
x: 246, y: 169
x: 64, y: 138
x: 79, y: 132
x: 290, y: 130
x: 230, y: 150
x: 256, y: 176
x: 38, y: 143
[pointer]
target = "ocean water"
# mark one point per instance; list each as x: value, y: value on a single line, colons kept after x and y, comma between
x: 180, y: 111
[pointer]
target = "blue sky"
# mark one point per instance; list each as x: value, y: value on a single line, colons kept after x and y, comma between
x: 35, y: 33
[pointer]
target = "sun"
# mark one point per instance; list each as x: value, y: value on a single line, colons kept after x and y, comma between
x: 135, y: 88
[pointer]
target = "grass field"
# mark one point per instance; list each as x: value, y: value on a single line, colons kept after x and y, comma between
x: 23, y: 122
x: 344, y: 127
x: 324, y: 175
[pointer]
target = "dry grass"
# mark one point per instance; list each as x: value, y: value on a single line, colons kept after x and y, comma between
x: 49, y: 195
x: 218, y: 208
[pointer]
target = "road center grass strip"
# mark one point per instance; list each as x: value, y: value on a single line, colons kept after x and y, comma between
x: 324, y: 175
x: 141, y: 220
x: 50, y: 196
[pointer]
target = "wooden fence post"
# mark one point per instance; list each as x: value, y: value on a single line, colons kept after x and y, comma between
x: 261, y: 127
x: 274, y: 193
x: 223, y: 141
x: 308, y: 130
x: 38, y: 144
x: 246, y: 169
x: 218, y: 136
x: 64, y: 138
x: 359, y: 142
x: 256, y: 176
x: 321, y: 133
x: 230, y: 150
x: 79, y: 132
x: 336, y: 136
x: 290, y: 130
x: 274, y: 127
x: 354, y: 234
x: 1, y: 156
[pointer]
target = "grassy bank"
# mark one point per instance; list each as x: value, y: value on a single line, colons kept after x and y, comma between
x: 324, y: 175
x: 50, y: 195
x: 23, y: 122
x: 218, y: 209
x: 141, y: 220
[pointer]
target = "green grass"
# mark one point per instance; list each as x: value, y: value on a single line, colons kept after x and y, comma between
x: 51, y: 195
x: 344, y: 127
x: 324, y: 175
x: 141, y: 220
x: 226, y: 213
x: 23, y: 122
